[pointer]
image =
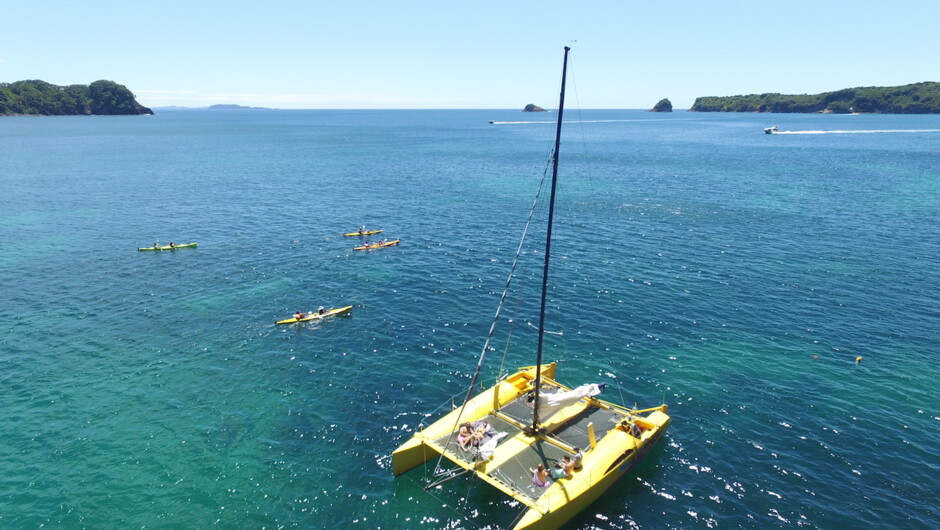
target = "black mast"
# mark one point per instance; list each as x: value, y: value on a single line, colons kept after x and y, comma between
x: 548, y: 247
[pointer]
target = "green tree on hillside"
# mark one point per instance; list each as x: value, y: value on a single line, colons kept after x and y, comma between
x: 35, y: 97
x: 919, y: 98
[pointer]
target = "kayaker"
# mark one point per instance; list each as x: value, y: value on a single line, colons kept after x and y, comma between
x: 320, y: 311
x: 172, y: 245
x: 362, y: 230
x: 299, y: 315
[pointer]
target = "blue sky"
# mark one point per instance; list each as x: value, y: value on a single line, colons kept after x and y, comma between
x: 482, y: 54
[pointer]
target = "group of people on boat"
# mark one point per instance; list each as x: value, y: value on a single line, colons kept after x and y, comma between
x: 300, y: 315
x: 563, y: 468
x: 468, y: 436
x: 377, y: 244
x: 363, y: 231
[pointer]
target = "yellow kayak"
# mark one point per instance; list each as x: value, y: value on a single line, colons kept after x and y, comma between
x: 370, y: 246
x: 366, y: 233
x: 169, y: 247
x: 316, y: 316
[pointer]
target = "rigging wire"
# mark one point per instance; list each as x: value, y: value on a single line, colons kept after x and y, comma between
x: 499, y: 308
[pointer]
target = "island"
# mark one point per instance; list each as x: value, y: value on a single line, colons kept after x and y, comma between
x: 219, y: 106
x: 916, y: 98
x: 230, y: 106
x: 39, y: 98
x: 664, y: 105
x: 533, y: 108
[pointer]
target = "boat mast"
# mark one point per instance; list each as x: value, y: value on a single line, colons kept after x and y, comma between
x: 548, y: 247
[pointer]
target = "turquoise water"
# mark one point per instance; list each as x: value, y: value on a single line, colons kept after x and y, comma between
x: 734, y: 274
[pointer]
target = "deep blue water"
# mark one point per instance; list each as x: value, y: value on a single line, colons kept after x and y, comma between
x: 734, y: 274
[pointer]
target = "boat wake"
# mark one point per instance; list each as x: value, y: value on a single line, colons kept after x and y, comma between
x: 873, y: 131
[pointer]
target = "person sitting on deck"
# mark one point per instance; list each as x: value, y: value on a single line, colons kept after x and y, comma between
x: 559, y: 471
x: 464, y: 435
x: 577, y: 458
x: 635, y: 431
x: 540, y: 476
x: 568, y: 465
x: 475, y: 434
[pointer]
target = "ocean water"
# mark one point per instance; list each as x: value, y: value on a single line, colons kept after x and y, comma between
x: 735, y: 275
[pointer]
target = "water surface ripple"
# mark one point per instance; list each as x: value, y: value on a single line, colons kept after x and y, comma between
x: 734, y: 274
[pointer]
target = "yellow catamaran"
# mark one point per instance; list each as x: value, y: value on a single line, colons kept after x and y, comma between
x: 529, y: 419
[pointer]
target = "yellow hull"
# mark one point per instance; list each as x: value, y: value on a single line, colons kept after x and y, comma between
x: 368, y: 246
x: 603, y: 465
x: 612, y: 439
x: 314, y: 316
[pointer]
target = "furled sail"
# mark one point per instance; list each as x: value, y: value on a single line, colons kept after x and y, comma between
x: 552, y: 403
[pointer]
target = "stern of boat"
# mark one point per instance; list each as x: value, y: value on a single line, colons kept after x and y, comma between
x: 606, y: 461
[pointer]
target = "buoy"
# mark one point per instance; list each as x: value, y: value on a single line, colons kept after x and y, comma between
x: 858, y: 359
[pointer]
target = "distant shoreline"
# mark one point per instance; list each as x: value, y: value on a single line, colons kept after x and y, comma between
x: 916, y: 98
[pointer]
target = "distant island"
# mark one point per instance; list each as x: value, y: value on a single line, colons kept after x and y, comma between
x: 533, y: 108
x: 234, y: 107
x: 38, y: 98
x: 917, y: 98
x: 664, y: 105
x: 221, y: 106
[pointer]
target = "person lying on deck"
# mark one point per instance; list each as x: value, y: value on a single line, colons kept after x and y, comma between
x: 479, y: 433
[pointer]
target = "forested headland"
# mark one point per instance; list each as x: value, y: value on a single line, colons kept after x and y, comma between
x: 38, y: 98
x: 917, y: 98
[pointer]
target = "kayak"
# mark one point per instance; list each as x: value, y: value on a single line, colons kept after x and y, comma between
x: 168, y: 247
x: 315, y: 316
x: 370, y: 246
x: 366, y: 233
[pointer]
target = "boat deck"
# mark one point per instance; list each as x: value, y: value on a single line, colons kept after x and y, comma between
x: 517, y: 452
x: 573, y: 431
